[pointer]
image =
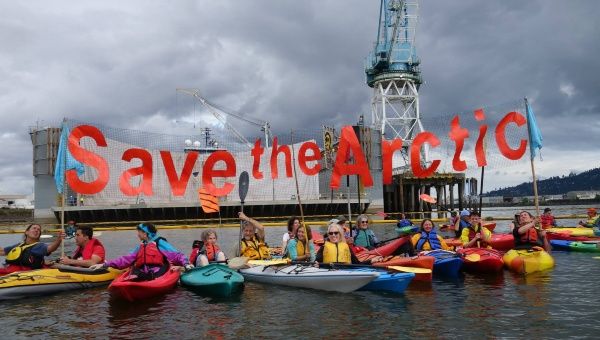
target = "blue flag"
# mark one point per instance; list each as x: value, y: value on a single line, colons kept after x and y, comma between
x: 61, y: 165
x: 535, y: 135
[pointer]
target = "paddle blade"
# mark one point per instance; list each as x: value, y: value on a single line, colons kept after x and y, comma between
x: 427, y: 198
x: 238, y: 262
x: 243, y: 185
x: 473, y: 257
x: 268, y: 262
x: 415, y: 270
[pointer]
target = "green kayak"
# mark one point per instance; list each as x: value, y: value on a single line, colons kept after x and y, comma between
x: 213, y: 280
x: 585, y: 246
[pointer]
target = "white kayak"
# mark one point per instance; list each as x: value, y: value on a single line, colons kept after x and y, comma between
x: 302, y: 276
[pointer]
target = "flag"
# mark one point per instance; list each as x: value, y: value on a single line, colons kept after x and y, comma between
x: 535, y: 135
x: 208, y: 201
x: 382, y: 214
x: 62, y: 166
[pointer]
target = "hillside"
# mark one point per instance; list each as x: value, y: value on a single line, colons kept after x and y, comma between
x: 588, y: 180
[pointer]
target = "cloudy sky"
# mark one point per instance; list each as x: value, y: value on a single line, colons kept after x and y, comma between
x: 294, y: 63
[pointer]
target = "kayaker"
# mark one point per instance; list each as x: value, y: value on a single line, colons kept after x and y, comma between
x: 150, y: 259
x: 427, y: 238
x: 29, y: 254
x: 335, y: 249
x: 403, y: 221
x: 474, y: 235
x: 70, y: 229
x: 548, y: 221
x: 292, y: 225
x: 463, y: 222
x: 253, y: 245
x: 526, y: 235
x: 89, y: 249
x: 593, y: 220
x: 364, y: 237
x: 296, y: 247
x: 207, y: 251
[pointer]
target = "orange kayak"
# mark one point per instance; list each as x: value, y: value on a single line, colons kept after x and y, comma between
x: 417, y: 261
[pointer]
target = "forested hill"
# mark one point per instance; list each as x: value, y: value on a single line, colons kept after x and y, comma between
x: 588, y: 180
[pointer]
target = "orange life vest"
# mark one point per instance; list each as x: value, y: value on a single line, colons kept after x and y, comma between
x: 87, y: 251
x: 547, y: 221
x: 531, y: 236
x: 149, y: 255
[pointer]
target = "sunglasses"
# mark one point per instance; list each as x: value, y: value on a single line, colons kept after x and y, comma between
x: 364, y: 221
x: 334, y: 233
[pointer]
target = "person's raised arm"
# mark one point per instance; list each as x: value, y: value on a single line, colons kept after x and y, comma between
x: 260, y: 229
x: 54, y: 245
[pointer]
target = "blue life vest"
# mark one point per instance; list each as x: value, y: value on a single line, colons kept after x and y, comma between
x: 404, y: 223
x: 432, y: 238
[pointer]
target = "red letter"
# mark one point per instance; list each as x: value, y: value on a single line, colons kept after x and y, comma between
x: 387, y: 152
x: 257, y: 151
x: 178, y: 185
x: 458, y: 135
x: 89, y: 158
x: 208, y: 172
x: 514, y: 154
x: 145, y: 187
x: 415, y: 154
x: 349, y: 142
x: 303, y: 158
x: 479, y: 151
x: 288, y: 159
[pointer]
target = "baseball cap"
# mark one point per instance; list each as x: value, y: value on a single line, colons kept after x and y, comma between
x: 333, y: 221
x: 465, y: 212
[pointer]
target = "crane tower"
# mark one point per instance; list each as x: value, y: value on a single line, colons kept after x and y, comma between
x: 392, y: 70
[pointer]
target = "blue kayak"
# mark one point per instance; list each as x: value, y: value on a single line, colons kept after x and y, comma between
x: 560, y: 244
x: 213, y: 280
x: 389, y: 282
x: 447, y: 263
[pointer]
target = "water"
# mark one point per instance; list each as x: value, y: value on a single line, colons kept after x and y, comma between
x: 559, y: 303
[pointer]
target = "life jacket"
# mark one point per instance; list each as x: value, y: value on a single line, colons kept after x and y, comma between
x: 547, y: 221
x: 364, y: 239
x: 529, y: 238
x: 462, y: 224
x: 473, y: 232
x: 403, y: 223
x: 87, y: 251
x: 149, y: 255
x: 300, y: 248
x: 21, y: 255
x: 592, y: 221
x: 209, y: 250
x: 430, y: 237
x: 336, y: 253
x: 255, y: 249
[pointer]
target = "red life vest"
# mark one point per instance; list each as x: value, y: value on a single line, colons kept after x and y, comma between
x: 530, y: 236
x: 547, y: 221
x: 211, y: 251
x: 149, y: 255
x: 472, y: 234
x: 87, y: 251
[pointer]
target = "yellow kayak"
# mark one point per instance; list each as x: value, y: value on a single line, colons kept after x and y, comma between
x: 52, y: 280
x: 528, y: 261
x: 573, y: 231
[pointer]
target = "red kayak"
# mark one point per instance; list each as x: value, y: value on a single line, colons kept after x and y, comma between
x: 121, y: 287
x: 481, y: 260
x: 385, y: 250
x: 417, y: 261
x: 568, y: 237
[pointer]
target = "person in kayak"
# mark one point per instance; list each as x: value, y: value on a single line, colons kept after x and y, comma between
x: 292, y: 225
x: 297, y: 247
x: 150, y: 259
x: 89, y: 251
x: 474, y: 235
x: 427, y: 238
x: 364, y: 237
x: 30, y: 253
x: 252, y: 244
x: 548, y: 221
x: 207, y: 251
x: 335, y: 249
x: 593, y: 220
x: 403, y: 221
x: 463, y: 222
x: 526, y: 235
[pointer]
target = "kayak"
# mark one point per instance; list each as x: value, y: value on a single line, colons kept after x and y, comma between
x: 586, y: 247
x: 303, y: 276
x: 415, y: 262
x: 386, y: 250
x: 481, y: 260
x: 13, y: 268
x: 214, y: 280
x: 490, y: 226
x: 386, y: 281
x: 567, y: 237
x: 52, y: 280
x: 528, y: 261
x: 129, y: 290
x: 589, y: 232
x: 410, y: 229
x: 447, y: 263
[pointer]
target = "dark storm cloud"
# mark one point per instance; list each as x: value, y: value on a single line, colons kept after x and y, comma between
x: 298, y: 64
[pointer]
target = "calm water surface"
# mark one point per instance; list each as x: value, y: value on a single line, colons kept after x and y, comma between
x: 559, y: 303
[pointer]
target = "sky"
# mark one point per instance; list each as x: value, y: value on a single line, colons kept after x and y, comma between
x: 293, y: 63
